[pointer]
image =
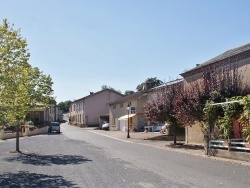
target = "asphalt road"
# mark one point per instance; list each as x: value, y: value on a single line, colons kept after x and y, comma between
x: 80, y: 158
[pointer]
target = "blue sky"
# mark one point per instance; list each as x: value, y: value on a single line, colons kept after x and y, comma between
x: 84, y: 44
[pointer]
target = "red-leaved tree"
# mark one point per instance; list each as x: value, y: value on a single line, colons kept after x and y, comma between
x: 216, y: 84
x: 161, y: 107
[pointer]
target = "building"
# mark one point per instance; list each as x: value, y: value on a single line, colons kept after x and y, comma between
x: 119, y: 115
x: 235, y: 61
x: 41, y: 115
x: 87, y: 111
x: 127, y: 108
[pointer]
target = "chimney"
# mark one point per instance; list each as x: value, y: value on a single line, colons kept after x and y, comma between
x: 91, y: 92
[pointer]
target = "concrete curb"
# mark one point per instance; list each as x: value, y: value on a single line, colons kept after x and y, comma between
x: 144, y: 139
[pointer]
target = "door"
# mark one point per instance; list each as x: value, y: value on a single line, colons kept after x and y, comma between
x: 122, y: 125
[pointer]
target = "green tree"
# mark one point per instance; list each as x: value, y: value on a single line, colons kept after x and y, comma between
x: 111, y: 88
x: 22, y: 87
x: 128, y: 92
x: 64, y: 106
x: 149, y: 83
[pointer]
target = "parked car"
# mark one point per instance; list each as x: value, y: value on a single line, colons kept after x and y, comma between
x: 105, y: 125
x: 54, y: 127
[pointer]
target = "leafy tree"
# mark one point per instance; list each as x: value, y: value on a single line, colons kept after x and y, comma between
x: 22, y: 87
x: 64, y: 106
x: 244, y: 119
x: 238, y: 108
x: 217, y: 84
x: 128, y: 92
x: 161, y: 107
x: 111, y: 88
x: 106, y: 87
x: 149, y: 83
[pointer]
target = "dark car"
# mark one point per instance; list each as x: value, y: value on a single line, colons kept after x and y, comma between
x: 54, y: 127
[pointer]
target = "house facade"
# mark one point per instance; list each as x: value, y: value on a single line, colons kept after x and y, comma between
x: 234, y: 61
x: 40, y: 116
x: 120, y: 116
x: 53, y: 114
x: 87, y: 110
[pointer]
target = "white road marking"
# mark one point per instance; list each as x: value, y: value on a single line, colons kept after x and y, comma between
x: 111, y: 137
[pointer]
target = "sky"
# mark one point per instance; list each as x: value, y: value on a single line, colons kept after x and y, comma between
x: 85, y: 44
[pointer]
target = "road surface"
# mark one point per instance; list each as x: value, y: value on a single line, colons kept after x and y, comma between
x: 80, y: 158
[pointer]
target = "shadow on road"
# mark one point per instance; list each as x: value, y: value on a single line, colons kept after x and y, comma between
x: 186, y: 146
x: 54, y: 133
x: 26, y: 179
x: 47, y: 160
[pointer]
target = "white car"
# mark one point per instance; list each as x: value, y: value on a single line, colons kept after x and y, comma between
x: 105, y: 125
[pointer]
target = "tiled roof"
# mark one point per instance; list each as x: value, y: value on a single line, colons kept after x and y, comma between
x: 179, y: 80
x: 225, y: 55
x: 129, y: 97
x: 139, y: 94
x: 98, y: 93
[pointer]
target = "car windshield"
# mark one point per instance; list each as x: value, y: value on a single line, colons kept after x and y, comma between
x: 55, y: 124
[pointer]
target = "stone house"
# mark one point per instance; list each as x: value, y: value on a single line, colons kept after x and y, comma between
x: 42, y: 116
x: 119, y: 115
x: 118, y: 110
x: 86, y: 111
x: 236, y: 60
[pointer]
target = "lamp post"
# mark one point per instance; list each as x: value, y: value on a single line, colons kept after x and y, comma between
x: 128, y: 108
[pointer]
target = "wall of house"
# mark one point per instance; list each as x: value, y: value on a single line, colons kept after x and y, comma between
x: 244, y: 69
x: 141, y: 122
x: 97, y: 105
x: 79, y: 112
x: 59, y: 115
x: 76, y: 112
x: 118, y: 110
x: 115, y: 112
x: 37, y: 116
x: 72, y: 112
x: 194, y: 135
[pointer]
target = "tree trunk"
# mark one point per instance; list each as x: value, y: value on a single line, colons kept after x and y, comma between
x: 17, y: 138
x: 206, y: 144
x: 174, y: 124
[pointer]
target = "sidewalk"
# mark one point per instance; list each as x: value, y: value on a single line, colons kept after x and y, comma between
x: 149, y: 139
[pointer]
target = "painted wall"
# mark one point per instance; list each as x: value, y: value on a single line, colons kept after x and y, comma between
x: 120, y: 109
x: 194, y: 134
x: 97, y: 105
x: 86, y: 111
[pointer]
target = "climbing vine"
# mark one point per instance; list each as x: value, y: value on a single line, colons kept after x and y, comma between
x: 219, y: 117
x: 244, y: 118
x: 212, y: 113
